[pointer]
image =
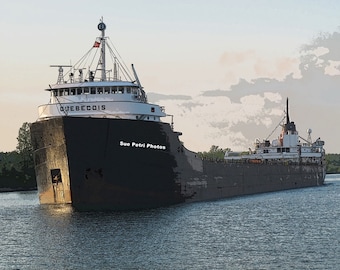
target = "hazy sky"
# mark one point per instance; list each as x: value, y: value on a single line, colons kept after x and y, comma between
x: 222, y: 68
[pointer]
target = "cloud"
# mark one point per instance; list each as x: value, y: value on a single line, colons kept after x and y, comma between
x: 333, y: 68
x: 215, y: 93
x: 326, y: 40
x: 208, y: 120
x: 155, y: 97
x: 236, y: 58
x: 253, y: 108
x: 250, y: 64
x: 324, y: 52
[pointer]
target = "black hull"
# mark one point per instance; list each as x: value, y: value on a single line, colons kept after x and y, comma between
x: 118, y: 164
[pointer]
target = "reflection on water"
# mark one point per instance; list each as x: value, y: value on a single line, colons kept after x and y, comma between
x: 296, y: 229
x: 58, y: 210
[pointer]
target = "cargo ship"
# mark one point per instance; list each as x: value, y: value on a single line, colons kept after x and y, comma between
x: 100, y: 145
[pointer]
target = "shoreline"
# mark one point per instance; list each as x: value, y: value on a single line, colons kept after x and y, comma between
x: 2, y: 190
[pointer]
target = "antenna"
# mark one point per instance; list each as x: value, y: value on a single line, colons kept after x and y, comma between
x: 61, y: 73
x: 80, y: 76
x: 309, y: 138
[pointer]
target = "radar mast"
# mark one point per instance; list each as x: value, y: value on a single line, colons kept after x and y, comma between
x: 102, y: 27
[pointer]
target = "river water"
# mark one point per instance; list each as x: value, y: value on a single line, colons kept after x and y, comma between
x: 296, y: 229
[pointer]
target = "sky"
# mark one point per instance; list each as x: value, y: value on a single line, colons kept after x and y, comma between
x: 222, y: 68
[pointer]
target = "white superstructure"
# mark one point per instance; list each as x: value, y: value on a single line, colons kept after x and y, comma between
x: 97, y: 94
x: 286, y: 148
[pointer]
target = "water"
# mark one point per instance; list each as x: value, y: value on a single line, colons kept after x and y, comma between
x: 297, y: 229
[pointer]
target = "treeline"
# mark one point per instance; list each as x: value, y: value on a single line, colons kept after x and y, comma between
x: 215, y: 153
x: 17, y: 167
x: 333, y: 163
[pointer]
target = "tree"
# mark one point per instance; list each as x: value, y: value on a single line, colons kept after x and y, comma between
x: 333, y: 163
x: 17, y: 167
x: 215, y: 153
x: 24, y: 139
x: 24, y: 147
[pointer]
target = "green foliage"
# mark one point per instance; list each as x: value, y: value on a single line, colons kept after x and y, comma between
x: 333, y: 163
x: 24, y: 146
x: 14, y: 173
x: 17, y: 167
x: 215, y: 153
x: 24, y: 139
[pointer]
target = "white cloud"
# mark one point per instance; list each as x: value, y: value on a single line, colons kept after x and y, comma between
x: 252, y: 109
x: 211, y: 120
x: 333, y: 68
x: 250, y: 64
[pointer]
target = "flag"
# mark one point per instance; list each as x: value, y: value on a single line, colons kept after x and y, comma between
x: 96, y: 44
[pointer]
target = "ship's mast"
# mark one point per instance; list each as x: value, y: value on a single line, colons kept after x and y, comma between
x: 115, y: 70
x: 102, y: 27
x: 289, y: 126
x: 287, y: 122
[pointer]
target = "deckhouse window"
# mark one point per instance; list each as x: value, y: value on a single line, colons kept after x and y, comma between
x: 114, y: 89
x: 99, y: 90
x: 128, y: 90
x: 107, y: 90
x: 93, y: 90
x: 79, y: 91
x: 72, y: 91
x: 121, y: 90
x: 86, y: 90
